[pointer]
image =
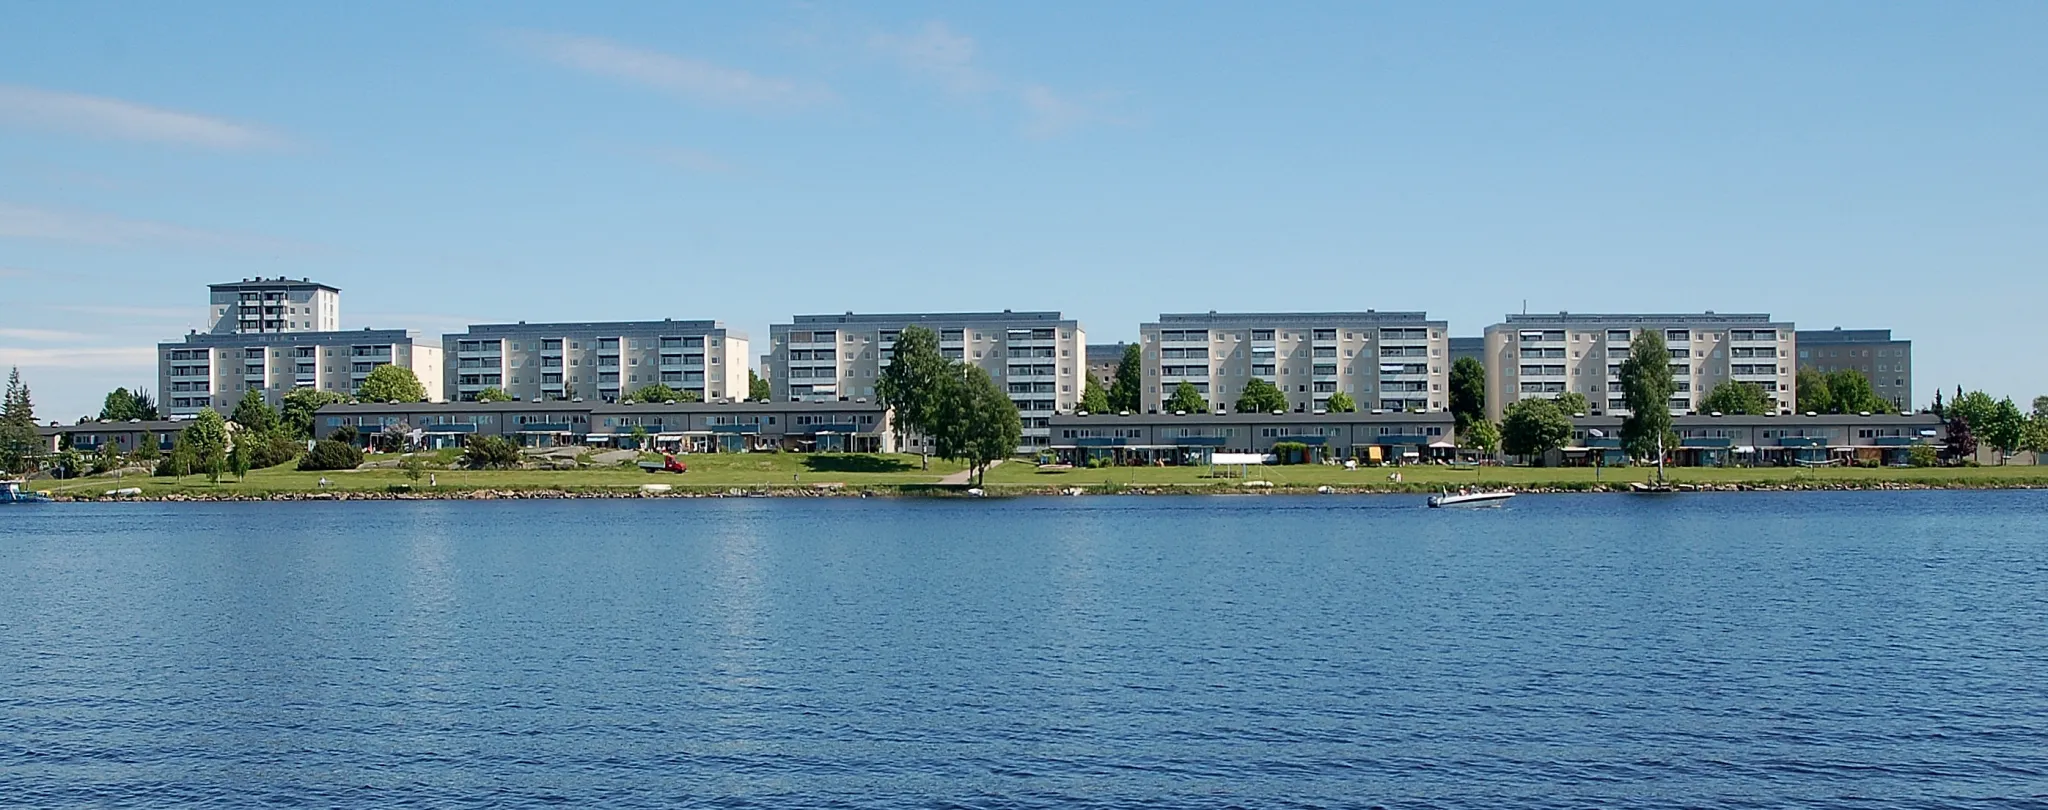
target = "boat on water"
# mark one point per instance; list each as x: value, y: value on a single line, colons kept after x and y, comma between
x: 16, y: 492
x: 1471, y: 498
x: 1648, y: 488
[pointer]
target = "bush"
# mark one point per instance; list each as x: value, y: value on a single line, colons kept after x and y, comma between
x: 1921, y: 455
x: 269, y: 448
x: 481, y: 452
x: 328, y: 454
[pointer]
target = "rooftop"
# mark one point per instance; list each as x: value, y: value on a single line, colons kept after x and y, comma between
x: 272, y: 284
x: 1214, y: 318
x: 668, y: 325
x: 1839, y: 335
x: 1527, y: 319
x: 906, y: 318
x: 209, y: 339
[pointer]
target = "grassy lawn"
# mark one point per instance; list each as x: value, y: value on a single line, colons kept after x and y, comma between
x: 716, y: 471
x: 1426, y: 477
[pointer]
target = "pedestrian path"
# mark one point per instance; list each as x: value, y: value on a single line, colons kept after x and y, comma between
x: 964, y: 477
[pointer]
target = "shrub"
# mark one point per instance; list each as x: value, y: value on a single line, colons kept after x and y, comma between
x: 269, y: 448
x: 1921, y: 455
x: 481, y: 452
x: 328, y: 454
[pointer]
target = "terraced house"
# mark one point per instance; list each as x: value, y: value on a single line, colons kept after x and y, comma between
x: 1394, y: 361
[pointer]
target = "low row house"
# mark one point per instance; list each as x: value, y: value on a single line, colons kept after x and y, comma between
x: 1173, y: 439
x: 1706, y: 440
x: 688, y: 427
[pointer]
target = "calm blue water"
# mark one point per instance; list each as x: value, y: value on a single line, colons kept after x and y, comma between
x: 1759, y: 650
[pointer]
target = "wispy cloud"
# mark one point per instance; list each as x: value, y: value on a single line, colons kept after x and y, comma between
x: 27, y: 222
x: 79, y: 357
x: 935, y: 51
x: 1049, y: 114
x: 40, y: 335
x: 684, y: 76
x: 99, y: 117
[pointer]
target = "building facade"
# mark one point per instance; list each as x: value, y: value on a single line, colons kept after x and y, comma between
x: 124, y: 437
x: 597, y: 361
x: 1037, y: 357
x: 1157, y: 438
x: 1394, y: 361
x: 1103, y: 358
x: 689, y: 427
x: 1473, y: 347
x: 1886, y: 361
x: 1706, y: 440
x: 270, y: 305
x: 215, y: 370
x: 1543, y: 356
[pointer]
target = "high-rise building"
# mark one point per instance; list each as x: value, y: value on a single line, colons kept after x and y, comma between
x: 1103, y: 359
x: 598, y: 361
x: 1037, y: 357
x: 277, y: 335
x: 272, y: 305
x: 1887, y: 362
x: 1394, y: 361
x: 1544, y: 355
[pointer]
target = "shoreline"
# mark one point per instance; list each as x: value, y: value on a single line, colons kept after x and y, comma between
x: 995, y: 491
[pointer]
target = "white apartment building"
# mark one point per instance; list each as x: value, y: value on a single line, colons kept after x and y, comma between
x: 597, y: 361
x: 1393, y: 361
x: 1545, y: 355
x: 269, y: 305
x: 215, y: 370
x: 1037, y: 357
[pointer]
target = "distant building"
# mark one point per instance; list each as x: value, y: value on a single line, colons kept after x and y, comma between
x: 1887, y: 362
x: 265, y: 305
x: 1103, y: 359
x: 1036, y: 357
x: 1396, y: 361
x: 1531, y: 356
x: 1772, y: 440
x: 1473, y: 347
x: 277, y: 335
x: 687, y: 427
x: 598, y: 361
x: 1157, y: 438
x: 123, y: 437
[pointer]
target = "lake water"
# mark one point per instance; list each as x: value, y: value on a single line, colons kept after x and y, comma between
x: 1761, y: 650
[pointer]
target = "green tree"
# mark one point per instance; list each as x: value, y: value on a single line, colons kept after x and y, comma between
x: 1532, y: 427
x: 104, y: 460
x: 1482, y: 436
x: 1186, y: 399
x: 253, y: 413
x: 1571, y: 402
x: 414, y: 466
x: 1850, y: 392
x: 207, y: 437
x: 1975, y: 408
x: 147, y: 449
x: 19, y: 441
x: 1646, y: 386
x: 2040, y: 406
x: 658, y: 393
x: 180, y: 462
x: 389, y: 383
x: 1259, y: 396
x: 2005, y: 429
x: 975, y: 421
x: 639, y: 436
x: 1341, y: 402
x: 1814, y: 396
x: 1468, y: 392
x: 1737, y: 399
x: 2037, y: 435
x: 757, y: 388
x: 119, y: 406
x: 300, y: 405
x: 484, y: 452
x: 1125, y: 392
x: 328, y: 454
x: 238, y: 460
x: 1094, y: 398
x: 914, y: 381
x: 493, y: 394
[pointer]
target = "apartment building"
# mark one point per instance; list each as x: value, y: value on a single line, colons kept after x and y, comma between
x: 1103, y: 358
x: 1544, y: 355
x: 597, y: 361
x: 1473, y: 347
x: 269, y: 305
x: 215, y: 370
x: 1394, y: 361
x: 1037, y: 357
x: 1887, y: 362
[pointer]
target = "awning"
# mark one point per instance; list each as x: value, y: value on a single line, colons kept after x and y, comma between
x: 1443, y: 445
x: 1745, y: 449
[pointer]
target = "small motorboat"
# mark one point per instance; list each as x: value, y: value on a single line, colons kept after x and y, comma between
x: 1470, y: 498
x: 15, y: 492
x: 1646, y: 488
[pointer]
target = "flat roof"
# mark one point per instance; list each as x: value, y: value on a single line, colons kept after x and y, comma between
x: 230, y: 339
x: 112, y: 426
x: 1561, y: 318
x: 279, y: 283
x: 1793, y: 420
x: 1823, y: 337
x: 595, y: 407
x: 907, y: 318
x: 1297, y: 318
x: 1208, y: 418
x: 679, y: 328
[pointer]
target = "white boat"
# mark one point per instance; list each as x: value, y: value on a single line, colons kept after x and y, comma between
x: 1469, y: 498
x: 15, y: 492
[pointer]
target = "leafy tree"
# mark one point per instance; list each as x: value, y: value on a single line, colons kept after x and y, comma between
x: 300, y: 405
x: 1094, y: 398
x: 253, y: 413
x: 483, y: 452
x: 1921, y: 455
x: 146, y: 449
x: 1482, y: 436
x: 1960, y: 444
x: 656, y: 393
x: 328, y: 454
x: 757, y: 388
x: 1975, y: 408
x: 268, y: 448
x: 1258, y: 396
x: 1125, y: 392
x: 145, y: 405
x: 1850, y: 392
x: 912, y: 383
x: 1737, y: 399
x: 1186, y: 398
x: 179, y: 462
x: 207, y: 437
x: 1937, y: 408
x: 1646, y: 386
x: 414, y: 467
x: 119, y: 406
x: 493, y: 394
x: 1532, y: 427
x: 2006, y: 428
x: 238, y: 461
x: 104, y: 460
x: 389, y: 383
x: 1571, y: 402
x: 1341, y: 402
x: 346, y: 434
x: 1468, y: 392
x: 975, y: 421
x: 19, y: 442
x: 2040, y: 406
x: 1814, y: 396
x: 2037, y: 435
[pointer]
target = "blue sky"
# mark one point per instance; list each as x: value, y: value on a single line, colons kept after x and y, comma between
x: 1836, y: 164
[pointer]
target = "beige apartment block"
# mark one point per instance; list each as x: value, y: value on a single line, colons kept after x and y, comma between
x: 1391, y: 361
x: 1545, y: 355
x: 1037, y: 357
x: 596, y: 361
x: 215, y: 371
x: 269, y: 305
